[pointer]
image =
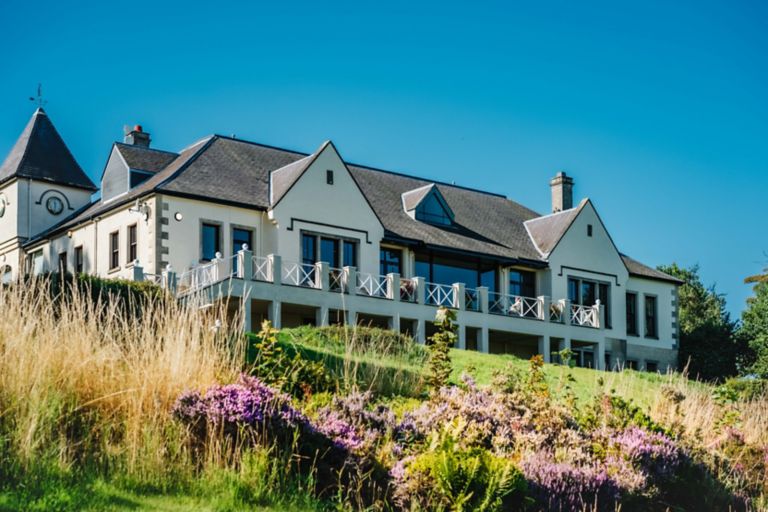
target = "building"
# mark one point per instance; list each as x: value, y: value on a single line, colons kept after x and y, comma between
x: 308, y: 238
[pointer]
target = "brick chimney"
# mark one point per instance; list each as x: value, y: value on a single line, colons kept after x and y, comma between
x: 136, y: 136
x: 562, y: 192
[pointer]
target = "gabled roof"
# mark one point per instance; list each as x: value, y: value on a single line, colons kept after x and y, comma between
x: 283, y: 178
x: 546, y: 231
x: 412, y: 198
x: 637, y: 269
x: 145, y: 159
x: 41, y: 154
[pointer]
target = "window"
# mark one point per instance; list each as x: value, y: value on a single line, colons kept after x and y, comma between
x: 390, y: 261
x: 132, y: 244
x: 114, y: 250
x: 651, y: 366
x: 589, y: 229
x: 350, y: 253
x: 522, y: 283
x: 631, y: 364
x: 586, y: 293
x: 211, y: 238
x: 36, y: 263
x: 433, y: 211
x: 79, y: 259
x: 329, y: 177
x: 63, y: 262
x: 632, y: 314
x: 445, y: 269
x: 651, y: 327
x: 240, y: 237
x: 603, y: 293
x: 337, y: 252
x: 7, y: 274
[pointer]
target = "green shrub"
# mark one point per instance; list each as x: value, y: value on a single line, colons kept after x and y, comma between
x: 439, y: 363
x: 743, y: 389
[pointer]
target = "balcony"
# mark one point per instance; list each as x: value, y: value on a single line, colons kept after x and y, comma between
x: 348, y: 281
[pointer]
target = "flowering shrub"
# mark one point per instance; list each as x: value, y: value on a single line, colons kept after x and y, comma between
x: 654, y: 453
x: 352, y: 422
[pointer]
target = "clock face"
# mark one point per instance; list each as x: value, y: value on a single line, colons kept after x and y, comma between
x: 54, y: 205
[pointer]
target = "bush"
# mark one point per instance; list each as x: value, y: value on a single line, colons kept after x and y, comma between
x: 439, y: 363
x: 449, y: 477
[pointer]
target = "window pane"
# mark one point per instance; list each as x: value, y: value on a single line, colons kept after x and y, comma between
x: 423, y: 267
x: 573, y: 291
x: 631, y: 313
x: 350, y: 254
x: 488, y: 279
x: 603, y: 293
x: 329, y: 251
x: 390, y: 261
x: 240, y: 237
x: 210, y: 241
x: 431, y: 210
x: 650, y: 317
x: 522, y: 283
x: 308, y: 249
x: 588, y: 293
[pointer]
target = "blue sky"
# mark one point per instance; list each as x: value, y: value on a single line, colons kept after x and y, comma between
x: 658, y: 109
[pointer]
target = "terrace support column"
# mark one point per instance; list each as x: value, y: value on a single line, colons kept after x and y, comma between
x: 321, y: 316
x: 247, y: 313
x: 599, y: 355
x: 461, y: 340
x: 350, y: 316
x: 483, y: 340
x: 394, y: 322
x: 565, y: 343
x: 275, y: 314
x: 544, y: 347
x: 421, y: 331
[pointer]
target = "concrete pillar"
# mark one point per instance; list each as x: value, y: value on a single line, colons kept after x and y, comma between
x: 137, y: 272
x: 599, y: 354
x: 600, y: 314
x: 321, y: 316
x: 565, y: 343
x: 247, y: 313
x: 322, y: 276
x: 351, y: 317
x: 544, y: 303
x: 245, y: 263
x: 169, y: 280
x: 482, y: 297
x: 419, y: 283
x: 275, y: 314
x: 421, y: 331
x: 567, y: 313
x: 461, y: 337
x: 544, y: 348
x: 393, y: 286
x: 459, y: 296
x: 483, y: 340
x: 276, y: 268
x: 394, y: 322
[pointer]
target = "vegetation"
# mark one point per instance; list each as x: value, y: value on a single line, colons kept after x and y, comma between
x: 105, y: 409
x: 754, y: 328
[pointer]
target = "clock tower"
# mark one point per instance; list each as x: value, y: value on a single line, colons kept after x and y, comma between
x: 41, y: 185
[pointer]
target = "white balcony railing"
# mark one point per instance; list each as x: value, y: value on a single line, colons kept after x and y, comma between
x: 197, y: 278
x: 262, y: 269
x: 471, y: 299
x: 440, y: 295
x: 585, y: 316
x: 515, y: 305
x: 336, y: 280
x: 298, y: 274
x: 556, y: 310
x: 371, y: 285
x: 407, y: 290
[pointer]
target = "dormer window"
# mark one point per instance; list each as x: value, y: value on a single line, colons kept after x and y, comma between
x: 427, y: 204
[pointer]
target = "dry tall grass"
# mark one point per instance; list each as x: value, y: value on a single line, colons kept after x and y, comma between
x: 82, y: 381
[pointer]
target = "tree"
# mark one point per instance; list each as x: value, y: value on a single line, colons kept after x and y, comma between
x: 754, y: 327
x: 707, y: 334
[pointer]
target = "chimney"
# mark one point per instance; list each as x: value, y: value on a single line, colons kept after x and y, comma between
x: 136, y: 136
x: 562, y: 192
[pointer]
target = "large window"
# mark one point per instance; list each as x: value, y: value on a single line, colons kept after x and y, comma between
x: 211, y: 241
x: 240, y: 238
x: 63, y: 262
x: 632, y: 314
x: 522, y: 283
x: 587, y: 292
x: 651, y: 317
x: 433, y: 211
x: 337, y: 252
x: 440, y: 269
x: 79, y: 264
x: 132, y: 244
x: 390, y: 261
x: 114, y: 250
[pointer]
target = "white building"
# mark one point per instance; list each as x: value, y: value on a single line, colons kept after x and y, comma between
x: 327, y: 241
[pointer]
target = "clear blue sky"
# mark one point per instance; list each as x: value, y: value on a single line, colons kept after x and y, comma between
x: 658, y: 109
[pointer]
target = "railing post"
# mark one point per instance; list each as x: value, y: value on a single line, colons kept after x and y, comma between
x: 322, y: 276
x: 482, y: 298
x: 599, y: 314
x: 169, y: 279
x: 420, y: 286
x: 459, y: 297
x: 138, y: 271
x: 505, y: 304
x: 544, y: 304
x: 350, y: 281
x: 393, y: 287
x: 276, y: 268
x: 567, y: 312
x: 245, y: 263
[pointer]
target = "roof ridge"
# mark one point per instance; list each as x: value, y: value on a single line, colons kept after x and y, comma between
x: 147, y: 148
x: 268, y: 146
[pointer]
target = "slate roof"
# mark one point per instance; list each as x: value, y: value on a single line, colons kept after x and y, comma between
x: 145, y: 159
x: 41, y: 154
x: 638, y: 269
x: 231, y: 171
x: 546, y: 231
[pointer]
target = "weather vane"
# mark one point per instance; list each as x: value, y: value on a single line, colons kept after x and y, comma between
x: 39, y: 99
